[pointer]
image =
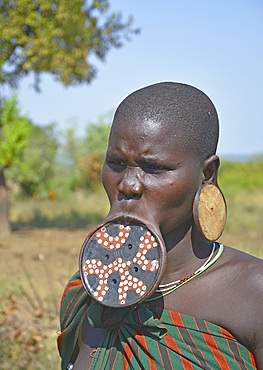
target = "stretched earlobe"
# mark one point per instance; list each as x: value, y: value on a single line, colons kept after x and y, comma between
x: 209, y: 208
x: 210, y: 170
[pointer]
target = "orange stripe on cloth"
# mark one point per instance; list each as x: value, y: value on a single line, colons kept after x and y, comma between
x: 152, y: 365
x: 65, y: 312
x: 127, y: 355
x: 144, y: 344
x: 212, y: 344
x: 176, y: 318
x: 84, y: 293
x: 228, y: 336
x: 60, y: 341
x: 171, y: 342
x: 72, y: 284
x: 252, y: 359
x: 196, y: 346
x: 178, y: 322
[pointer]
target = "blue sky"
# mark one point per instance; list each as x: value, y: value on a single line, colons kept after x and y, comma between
x: 215, y: 45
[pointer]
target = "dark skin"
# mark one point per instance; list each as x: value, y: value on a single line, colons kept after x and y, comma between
x: 155, y: 180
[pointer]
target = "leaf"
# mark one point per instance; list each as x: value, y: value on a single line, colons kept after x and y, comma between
x: 59, y: 37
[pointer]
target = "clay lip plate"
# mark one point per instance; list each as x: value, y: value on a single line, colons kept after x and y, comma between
x: 121, y: 264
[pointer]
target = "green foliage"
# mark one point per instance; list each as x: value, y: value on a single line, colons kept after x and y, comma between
x: 239, y: 177
x: 95, y: 144
x: 97, y: 135
x: 86, y: 155
x: 14, y: 131
x: 35, y: 167
x: 57, y: 36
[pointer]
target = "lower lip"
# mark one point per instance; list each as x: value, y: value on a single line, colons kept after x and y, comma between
x: 125, y: 218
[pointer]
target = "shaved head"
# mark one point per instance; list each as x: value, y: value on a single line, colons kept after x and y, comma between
x: 182, y: 110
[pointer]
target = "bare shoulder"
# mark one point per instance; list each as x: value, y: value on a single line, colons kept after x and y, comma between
x: 244, y: 265
x: 244, y: 274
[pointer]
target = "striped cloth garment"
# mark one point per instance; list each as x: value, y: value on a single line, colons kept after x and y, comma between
x: 136, y: 339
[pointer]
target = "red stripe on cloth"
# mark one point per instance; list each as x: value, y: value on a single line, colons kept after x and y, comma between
x: 72, y: 284
x: 226, y: 334
x: 172, y: 344
x: 252, y: 359
x: 60, y: 342
x: 178, y: 321
x: 142, y: 340
x: 241, y: 355
x: 160, y: 355
x: 189, y: 332
x: 152, y: 365
x: 190, y: 348
x: 168, y: 352
x: 176, y: 318
x: 213, y: 346
x: 127, y: 356
x: 74, y: 308
x: 230, y: 350
x: 113, y: 341
x: 137, y: 333
x: 68, y: 306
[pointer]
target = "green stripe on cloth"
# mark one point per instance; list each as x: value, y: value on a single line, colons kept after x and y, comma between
x: 135, y: 339
x: 74, y: 305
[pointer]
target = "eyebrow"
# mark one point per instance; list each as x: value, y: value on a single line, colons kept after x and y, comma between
x: 144, y: 160
x: 150, y: 160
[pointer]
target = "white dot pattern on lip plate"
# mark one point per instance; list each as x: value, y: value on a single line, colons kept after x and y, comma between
x: 127, y: 282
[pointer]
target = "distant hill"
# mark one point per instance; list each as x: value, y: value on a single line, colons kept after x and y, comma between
x: 241, y: 157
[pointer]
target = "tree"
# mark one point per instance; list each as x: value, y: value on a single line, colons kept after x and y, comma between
x: 86, y: 154
x: 13, y: 135
x: 60, y: 37
x: 95, y: 144
x: 34, y: 168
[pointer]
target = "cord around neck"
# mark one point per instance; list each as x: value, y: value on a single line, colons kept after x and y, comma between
x: 183, y: 281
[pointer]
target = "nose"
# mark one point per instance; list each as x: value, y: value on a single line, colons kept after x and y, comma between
x: 130, y: 186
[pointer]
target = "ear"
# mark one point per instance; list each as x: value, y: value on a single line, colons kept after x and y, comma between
x: 209, y: 208
x: 210, y: 170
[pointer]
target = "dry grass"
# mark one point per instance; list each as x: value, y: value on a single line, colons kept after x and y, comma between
x: 41, y: 255
x: 244, y: 223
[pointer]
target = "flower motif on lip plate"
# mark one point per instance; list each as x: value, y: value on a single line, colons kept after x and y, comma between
x: 127, y: 281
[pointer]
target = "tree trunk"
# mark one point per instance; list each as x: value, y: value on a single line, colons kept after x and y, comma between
x: 5, y: 228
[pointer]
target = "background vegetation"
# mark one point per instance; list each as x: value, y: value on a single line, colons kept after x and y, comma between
x: 51, y: 179
x: 56, y: 197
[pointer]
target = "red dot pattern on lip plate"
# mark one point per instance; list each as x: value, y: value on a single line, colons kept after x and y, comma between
x: 127, y: 282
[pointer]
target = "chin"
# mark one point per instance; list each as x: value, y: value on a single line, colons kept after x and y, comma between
x: 179, y: 229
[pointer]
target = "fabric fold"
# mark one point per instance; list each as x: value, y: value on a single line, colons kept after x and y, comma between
x: 135, y: 338
x: 110, y: 318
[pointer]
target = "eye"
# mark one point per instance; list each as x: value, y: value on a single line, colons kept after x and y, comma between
x: 155, y: 168
x: 116, y: 164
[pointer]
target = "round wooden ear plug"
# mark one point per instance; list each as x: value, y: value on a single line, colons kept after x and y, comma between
x: 210, y: 212
x: 121, y: 265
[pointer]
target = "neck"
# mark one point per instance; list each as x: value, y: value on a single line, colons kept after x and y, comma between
x: 185, y: 253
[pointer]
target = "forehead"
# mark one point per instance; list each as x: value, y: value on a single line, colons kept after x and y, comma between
x: 146, y: 137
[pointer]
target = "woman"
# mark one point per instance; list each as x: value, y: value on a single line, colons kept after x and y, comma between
x: 161, y: 170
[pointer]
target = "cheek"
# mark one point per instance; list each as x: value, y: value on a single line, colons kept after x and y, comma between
x: 106, y: 180
x: 103, y: 176
x: 181, y: 192
x: 110, y: 181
